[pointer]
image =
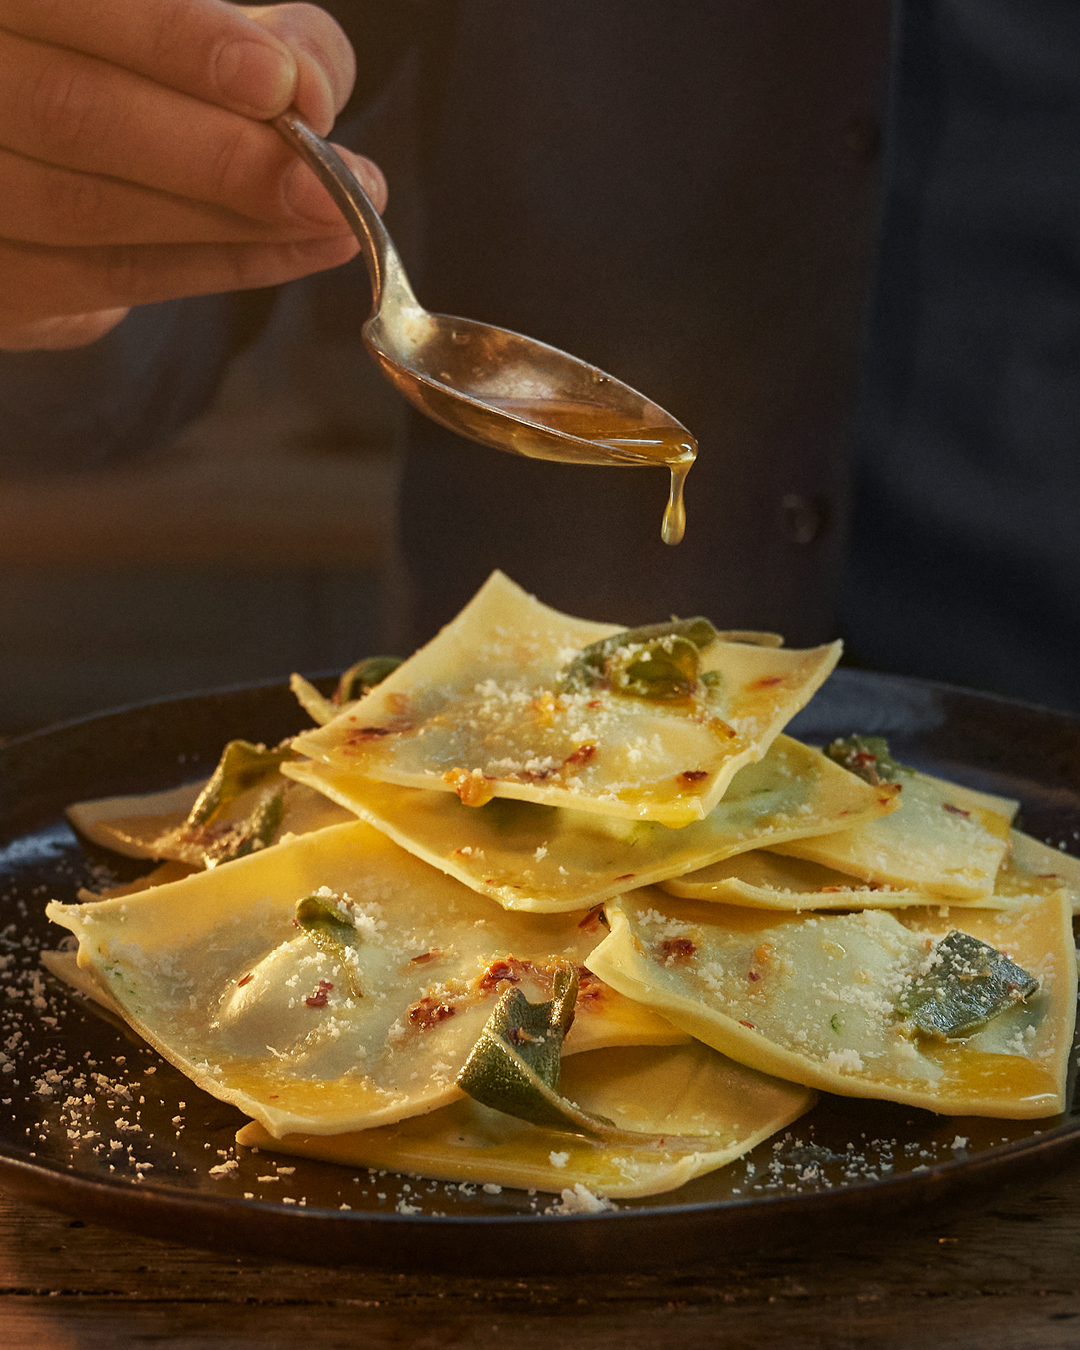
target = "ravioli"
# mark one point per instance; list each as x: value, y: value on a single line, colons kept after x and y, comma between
x: 149, y: 825
x: 1034, y: 860
x: 479, y: 712
x: 766, y: 880
x: 701, y: 1109
x: 214, y: 972
x: 944, y: 840
x: 548, y: 859
x: 763, y: 880
x: 814, y: 998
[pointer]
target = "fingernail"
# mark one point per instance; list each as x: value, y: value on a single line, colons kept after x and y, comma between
x: 308, y: 198
x: 370, y: 175
x: 315, y: 93
x: 256, y: 77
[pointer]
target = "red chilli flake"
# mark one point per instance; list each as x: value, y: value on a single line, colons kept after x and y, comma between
x: 955, y: 810
x: 767, y: 682
x: 510, y: 969
x: 596, y: 918
x: 693, y: 775
x: 531, y: 775
x: 582, y: 754
x: 429, y: 1013
x: 743, y: 1023
x: 247, y: 979
x: 319, y: 997
x: 426, y: 956
x: 753, y: 975
x: 362, y: 734
x: 590, y: 987
x: 677, y: 949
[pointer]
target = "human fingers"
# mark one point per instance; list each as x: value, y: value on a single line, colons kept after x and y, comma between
x: 84, y: 114
x: 326, y: 63
x: 44, y: 204
x: 41, y: 284
x: 59, y: 334
x: 214, y: 51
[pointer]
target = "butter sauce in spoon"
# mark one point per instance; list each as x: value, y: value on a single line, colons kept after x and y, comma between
x: 487, y: 383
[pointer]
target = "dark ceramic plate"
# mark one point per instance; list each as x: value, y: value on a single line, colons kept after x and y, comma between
x: 92, y: 1122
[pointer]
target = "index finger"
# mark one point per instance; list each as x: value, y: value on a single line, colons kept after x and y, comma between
x: 207, y: 48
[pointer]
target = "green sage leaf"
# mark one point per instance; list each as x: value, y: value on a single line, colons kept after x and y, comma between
x: 966, y: 983
x: 361, y: 678
x: 514, y: 1067
x: 659, y: 661
x: 333, y: 933
x: 868, y: 758
x: 242, y: 766
x: 248, y: 836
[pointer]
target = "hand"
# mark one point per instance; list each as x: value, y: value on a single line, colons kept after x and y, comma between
x: 135, y: 165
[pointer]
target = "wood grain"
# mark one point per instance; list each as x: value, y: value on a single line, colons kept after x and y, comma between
x: 1003, y: 1279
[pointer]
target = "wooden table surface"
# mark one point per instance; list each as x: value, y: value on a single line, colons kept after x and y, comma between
x: 1005, y: 1278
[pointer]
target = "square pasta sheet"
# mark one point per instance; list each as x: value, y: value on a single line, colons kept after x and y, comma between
x: 686, y: 1111
x: 942, y: 841
x: 549, y: 859
x: 819, y: 998
x: 361, y: 1017
x: 479, y: 712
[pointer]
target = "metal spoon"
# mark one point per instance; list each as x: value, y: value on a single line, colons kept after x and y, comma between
x: 487, y: 383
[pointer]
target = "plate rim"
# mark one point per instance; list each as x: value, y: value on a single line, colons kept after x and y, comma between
x: 155, y: 1208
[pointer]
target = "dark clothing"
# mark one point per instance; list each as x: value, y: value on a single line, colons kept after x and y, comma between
x: 685, y: 199
x: 685, y: 195
x: 965, y: 554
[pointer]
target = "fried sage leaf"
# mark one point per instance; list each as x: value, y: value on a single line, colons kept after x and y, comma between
x: 966, y: 983
x: 658, y: 661
x: 207, y: 837
x: 361, y: 678
x: 242, y: 766
x: 334, y: 933
x: 259, y: 830
x: 514, y: 1066
x: 869, y: 758
x: 357, y: 681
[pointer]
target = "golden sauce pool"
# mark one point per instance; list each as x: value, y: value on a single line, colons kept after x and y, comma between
x: 630, y: 442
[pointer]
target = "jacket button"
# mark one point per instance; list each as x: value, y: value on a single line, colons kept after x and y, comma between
x: 804, y: 517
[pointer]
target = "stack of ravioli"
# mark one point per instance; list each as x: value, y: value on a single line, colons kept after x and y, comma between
x: 532, y: 797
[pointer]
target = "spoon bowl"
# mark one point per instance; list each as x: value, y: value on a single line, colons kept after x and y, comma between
x: 488, y: 383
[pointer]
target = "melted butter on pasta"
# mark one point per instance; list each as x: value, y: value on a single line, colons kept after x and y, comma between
x: 478, y: 711
x: 212, y: 971
x: 551, y: 859
x: 703, y: 1112
x: 943, y: 840
x: 813, y: 997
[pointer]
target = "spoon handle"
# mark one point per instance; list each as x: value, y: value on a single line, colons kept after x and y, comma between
x: 384, y: 265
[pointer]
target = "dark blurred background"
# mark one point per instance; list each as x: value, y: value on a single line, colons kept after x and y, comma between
x: 258, y: 542
x: 839, y: 242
